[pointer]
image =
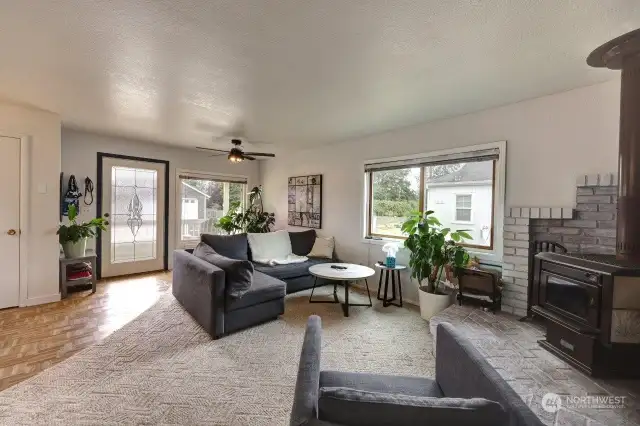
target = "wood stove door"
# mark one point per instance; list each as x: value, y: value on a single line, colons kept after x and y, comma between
x: 574, y: 299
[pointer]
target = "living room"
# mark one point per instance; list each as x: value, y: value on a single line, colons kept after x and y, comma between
x: 190, y: 128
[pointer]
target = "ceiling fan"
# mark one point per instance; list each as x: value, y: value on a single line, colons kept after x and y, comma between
x: 236, y: 154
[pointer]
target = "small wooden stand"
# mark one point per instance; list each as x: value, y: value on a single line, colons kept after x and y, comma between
x: 90, y: 257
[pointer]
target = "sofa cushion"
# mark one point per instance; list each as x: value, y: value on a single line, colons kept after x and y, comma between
x: 303, y: 283
x: 302, y: 242
x: 413, y: 386
x: 323, y: 248
x: 354, y: 407
x: 238, y: 273
x: 263, y: 289
x: 233, y: 246
x: 292, y: 270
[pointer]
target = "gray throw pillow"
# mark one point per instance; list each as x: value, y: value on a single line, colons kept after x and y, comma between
x: 233, y: 246
x: 352, y: 407
x: 238, y: 273
x: 302, y: 242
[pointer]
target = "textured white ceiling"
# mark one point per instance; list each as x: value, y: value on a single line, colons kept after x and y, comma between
x: 289, y: 71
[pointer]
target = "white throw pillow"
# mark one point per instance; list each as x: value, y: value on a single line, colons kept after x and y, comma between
x: 270, y: 245
x: 323, y: 247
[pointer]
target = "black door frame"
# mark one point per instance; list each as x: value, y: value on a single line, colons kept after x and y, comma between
x: 99, y: 211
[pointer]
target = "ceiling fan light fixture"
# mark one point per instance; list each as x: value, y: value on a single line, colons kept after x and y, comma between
x: 236, y: 154
x: 234, y: 157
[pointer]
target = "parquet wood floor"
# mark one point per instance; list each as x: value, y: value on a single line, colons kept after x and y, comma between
x: 37, y: 337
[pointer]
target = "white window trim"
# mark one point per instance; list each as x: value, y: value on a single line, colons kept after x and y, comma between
x: 178, y: 242
x: 487, y: 256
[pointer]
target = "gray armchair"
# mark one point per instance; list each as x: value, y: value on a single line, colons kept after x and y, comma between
x: 466, y: 390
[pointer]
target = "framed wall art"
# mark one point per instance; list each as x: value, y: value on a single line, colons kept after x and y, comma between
x: 305, y: 201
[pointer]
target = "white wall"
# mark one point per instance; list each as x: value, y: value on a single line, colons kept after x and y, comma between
x: 79, y: 157
x: 42, y: 130
x: 550, y: 141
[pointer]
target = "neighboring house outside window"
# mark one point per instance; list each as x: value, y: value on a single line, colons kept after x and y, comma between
x: 190, y: 209
x: 205, y: 198
x: 463, y: 199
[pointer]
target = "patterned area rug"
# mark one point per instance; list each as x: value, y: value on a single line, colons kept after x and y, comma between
x: 162, y: 368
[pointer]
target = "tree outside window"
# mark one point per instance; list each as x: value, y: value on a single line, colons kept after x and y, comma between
x: 396, y: 193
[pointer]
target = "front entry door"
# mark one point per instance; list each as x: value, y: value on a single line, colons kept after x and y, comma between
x: 9, y: 222
x: 133, y: 198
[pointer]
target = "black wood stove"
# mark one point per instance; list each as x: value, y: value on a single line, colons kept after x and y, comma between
x: 591, y: 303
x: 591, y: 306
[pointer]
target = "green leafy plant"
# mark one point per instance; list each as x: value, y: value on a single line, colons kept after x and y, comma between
x: 433, y: 248
x: 254, y: 219
x: 75, y: 232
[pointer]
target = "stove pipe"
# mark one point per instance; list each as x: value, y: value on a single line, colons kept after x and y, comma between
x: 623, y: 53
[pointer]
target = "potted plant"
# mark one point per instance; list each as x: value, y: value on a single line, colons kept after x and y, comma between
x: 254, y: 219
x: 73, y: 237
x: 433, y: 248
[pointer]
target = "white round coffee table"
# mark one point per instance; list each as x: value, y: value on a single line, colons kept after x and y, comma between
x: 351, y: 273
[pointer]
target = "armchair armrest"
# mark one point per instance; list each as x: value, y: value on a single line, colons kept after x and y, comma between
x: 462, y: 372
x: 317, y: 422
x: 200, y: 287
x: 305, y: 401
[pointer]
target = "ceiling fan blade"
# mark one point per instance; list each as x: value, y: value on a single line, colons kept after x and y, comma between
x: 260, y: 154
x: 252, y: 142
x: 248, y: 157
x: 221, y: 154
x: 211, y: 149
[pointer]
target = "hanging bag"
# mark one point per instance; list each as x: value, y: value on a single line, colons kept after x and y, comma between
x: 71, y: 197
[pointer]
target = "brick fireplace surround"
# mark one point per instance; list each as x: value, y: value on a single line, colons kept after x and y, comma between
x: 589, y: 227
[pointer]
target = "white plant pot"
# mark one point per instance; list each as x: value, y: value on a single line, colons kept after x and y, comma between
x: 431, y: 304
x: 75, y: 250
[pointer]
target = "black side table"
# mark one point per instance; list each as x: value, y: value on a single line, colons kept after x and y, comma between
x: 384, y: 271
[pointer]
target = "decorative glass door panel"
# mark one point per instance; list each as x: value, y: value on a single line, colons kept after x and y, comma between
x: 135, y: 201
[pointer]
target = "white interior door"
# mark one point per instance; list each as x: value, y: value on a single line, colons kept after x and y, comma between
x: 133, y: 194
x: 9, y: 222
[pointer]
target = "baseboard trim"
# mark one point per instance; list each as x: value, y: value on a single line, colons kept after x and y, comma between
x: 41, y: 300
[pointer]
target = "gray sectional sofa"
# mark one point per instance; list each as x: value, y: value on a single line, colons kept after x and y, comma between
x: 206, y: 291
x: 466, y: 391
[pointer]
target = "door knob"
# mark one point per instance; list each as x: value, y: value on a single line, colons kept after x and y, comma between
x: 11, y: 232
x: 106, y: 215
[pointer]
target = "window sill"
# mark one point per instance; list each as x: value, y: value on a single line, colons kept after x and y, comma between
x: 489, y: 257
x: 380, y: 241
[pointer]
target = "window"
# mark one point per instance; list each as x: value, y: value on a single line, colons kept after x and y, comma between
x: 395, y: 194
x: 460, y: 188
x: 463, y: 207
x: 205, y: 199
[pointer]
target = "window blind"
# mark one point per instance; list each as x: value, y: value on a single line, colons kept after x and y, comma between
x: 461, y: 157
x: 228, y: 179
